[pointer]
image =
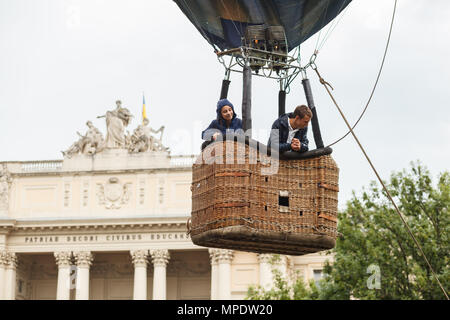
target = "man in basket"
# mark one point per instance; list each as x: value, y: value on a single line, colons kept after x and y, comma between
x: 289, y: 131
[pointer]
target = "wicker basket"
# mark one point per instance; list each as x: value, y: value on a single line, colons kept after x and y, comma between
x: 237, y: 205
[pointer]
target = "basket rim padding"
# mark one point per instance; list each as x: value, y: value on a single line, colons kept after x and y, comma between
x: 259, y: 146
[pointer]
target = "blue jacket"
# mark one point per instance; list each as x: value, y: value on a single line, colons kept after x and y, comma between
x: 280, y: 133
x: 219, y: 124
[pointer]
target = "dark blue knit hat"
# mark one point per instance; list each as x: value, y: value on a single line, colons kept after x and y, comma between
x: 222, y: 103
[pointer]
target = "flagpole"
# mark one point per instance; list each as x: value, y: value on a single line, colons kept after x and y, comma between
x: 144, y: 113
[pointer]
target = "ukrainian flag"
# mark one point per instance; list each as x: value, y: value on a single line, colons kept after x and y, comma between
x: 144, y: 113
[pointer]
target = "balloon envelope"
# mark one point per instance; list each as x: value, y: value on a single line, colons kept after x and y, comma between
x: 223, y: 22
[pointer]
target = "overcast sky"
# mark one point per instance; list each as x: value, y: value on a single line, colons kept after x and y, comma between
x: 65, y: 62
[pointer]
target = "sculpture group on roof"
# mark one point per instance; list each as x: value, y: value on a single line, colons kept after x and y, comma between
x: 143, y: 138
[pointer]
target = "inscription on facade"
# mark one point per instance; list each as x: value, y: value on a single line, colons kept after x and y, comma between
x: 105, y: 238
x: 41, y: 239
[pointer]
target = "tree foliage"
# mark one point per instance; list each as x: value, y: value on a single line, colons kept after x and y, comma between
x: 375, y: 257
x: 283, y: 289
x: 373, y: 235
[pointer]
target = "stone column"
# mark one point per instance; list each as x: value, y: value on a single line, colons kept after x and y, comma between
x: 139, y: 258
x: 160, y: 258
x: 63, y: 260
x: 265, y: 271
x: 10, y: 276
x: 83, y: 260
x: 282, y: 266
x: 224, y: 258
x: 214, y: 256
x: 3, y: 264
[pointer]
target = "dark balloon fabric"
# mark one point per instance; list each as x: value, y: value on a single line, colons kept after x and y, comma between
x: 223, y: 22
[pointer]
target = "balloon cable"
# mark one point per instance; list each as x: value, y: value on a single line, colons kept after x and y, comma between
x: 231, y: 18
x: 326, y: 84
x: 376, y: 82
x: 331, y: 28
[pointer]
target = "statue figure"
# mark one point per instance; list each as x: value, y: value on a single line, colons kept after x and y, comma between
x: 5, y: 183
x: 93, y: 140
x: 91, y: 143
x: 142, y: 139
x: 75, y: 148
x: 139, y: 140
x: 116, y: 121
x: 156, y: 144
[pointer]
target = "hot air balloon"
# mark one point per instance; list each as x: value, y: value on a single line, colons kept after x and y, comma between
x: 223, y: 23
x: 246, y: 196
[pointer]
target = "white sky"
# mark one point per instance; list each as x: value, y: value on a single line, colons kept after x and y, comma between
x: 63, y: 62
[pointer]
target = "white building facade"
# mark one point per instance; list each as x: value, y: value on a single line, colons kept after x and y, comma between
x: 112, y: 225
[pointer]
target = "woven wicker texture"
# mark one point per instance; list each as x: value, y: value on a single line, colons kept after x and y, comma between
x: 237, y: 205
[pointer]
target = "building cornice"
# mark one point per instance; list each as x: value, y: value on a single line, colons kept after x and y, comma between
x: 147, y: 223
x: 6, y: 225
x: 100, y: 172
x: 176, y: 163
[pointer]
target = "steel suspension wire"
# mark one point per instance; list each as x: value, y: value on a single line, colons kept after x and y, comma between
x: 323, y: 19
x: 232, y: 21
x: 331, y: 28
x: 326, y: 84
x: 378, y: 77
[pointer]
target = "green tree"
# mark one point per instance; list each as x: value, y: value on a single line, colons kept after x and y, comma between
x: 375, y: 257
x: 282, y: 289
x: 375, y: 245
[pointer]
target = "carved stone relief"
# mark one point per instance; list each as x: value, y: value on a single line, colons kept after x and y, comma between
x: 113, y: 194
x: 67, y: 191
x: 142, y: 192
x: 161, y: 191
x: 85, y: 195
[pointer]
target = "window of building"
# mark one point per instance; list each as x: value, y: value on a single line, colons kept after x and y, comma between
x: 317, y: 276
